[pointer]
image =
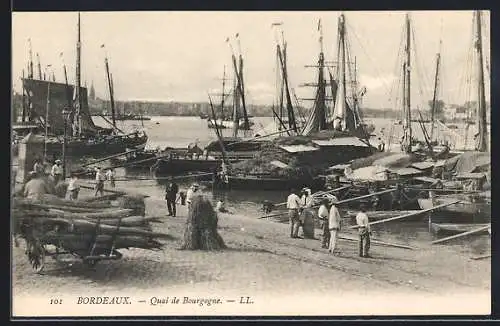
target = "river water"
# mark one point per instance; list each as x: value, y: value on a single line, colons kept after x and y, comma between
x: 181, y: 131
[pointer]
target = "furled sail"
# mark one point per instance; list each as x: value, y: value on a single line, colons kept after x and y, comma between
x: 37, y: 91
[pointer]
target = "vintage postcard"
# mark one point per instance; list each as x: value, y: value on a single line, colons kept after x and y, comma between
x: 198, y: 163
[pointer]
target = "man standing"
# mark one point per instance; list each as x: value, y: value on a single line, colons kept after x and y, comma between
x: 307, y: 214
x: 364, y: 231
x: 293, y: 205
x: 334, y: 224
x: 99, y: 182
x: 171, y: 196
x: 323, y: 217
x: 73, y: 187
x: 36, y: 187
x: 110, y: 175
x: 56, y: 171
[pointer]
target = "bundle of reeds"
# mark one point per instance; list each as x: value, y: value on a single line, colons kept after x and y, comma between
x: 201, y: 227
x: 79, y: 226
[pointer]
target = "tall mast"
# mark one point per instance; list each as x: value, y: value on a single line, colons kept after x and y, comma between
x: 223, y: 95
x: 292, y: 124
x: 78, y: 79
x: 434, y: 97
x: 30, y: 64
x: 236, y: 105
x: 340, y: 103
x: 481, y: 144
x: 39, y: 67
x: 23, y: 117
x: 321, y: 82
x: 407, y: 70
x: 111, y: 94
x: 241, y: 87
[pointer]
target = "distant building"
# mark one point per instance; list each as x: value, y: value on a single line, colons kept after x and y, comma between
x: 456, y: 112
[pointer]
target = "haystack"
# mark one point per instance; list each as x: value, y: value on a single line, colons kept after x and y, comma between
x: 201, y: 227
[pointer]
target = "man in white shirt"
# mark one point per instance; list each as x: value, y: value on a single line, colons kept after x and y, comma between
x: 110, y: 175
x: 56, y: 171
x: 99, y: 182
x: 364, y: 231
x: 190, y: 194
x: 73, y: 187
x: 323, y: 213
x: 293, y: 204
x: 334, y: 224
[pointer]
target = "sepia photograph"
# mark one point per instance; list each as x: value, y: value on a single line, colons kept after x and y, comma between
x: 258, y: 163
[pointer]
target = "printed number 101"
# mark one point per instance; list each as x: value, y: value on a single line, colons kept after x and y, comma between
x: 55, y: 301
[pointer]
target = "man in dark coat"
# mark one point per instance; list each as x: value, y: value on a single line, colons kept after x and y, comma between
x: 171, y: 196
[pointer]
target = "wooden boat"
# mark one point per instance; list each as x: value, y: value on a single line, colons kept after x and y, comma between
x: 47, y: 99
x: 267, y: 183
x: 453, y: 228
x: 464, y: 211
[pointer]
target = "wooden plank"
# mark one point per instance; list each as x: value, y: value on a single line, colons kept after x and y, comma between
x: 460, y: 235
x: 378, y: 242
x: 408, y: 215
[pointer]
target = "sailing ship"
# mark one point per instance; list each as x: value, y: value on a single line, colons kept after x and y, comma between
x: 63, y: 111
x: 239, y: 113
x: 332, y: 134
x: 471, y: 207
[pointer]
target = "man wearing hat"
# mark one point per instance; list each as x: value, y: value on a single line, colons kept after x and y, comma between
x: 364, y: 231
x: 323, y: 217
x: 56, y: 171
x: 293, y: 205
x: 191, y: 193
x: 334, y: 223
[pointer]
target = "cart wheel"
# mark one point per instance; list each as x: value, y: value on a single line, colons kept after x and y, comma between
x: 36, y: 256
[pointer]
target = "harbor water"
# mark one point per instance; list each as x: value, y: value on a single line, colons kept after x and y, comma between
x: 182, y: 131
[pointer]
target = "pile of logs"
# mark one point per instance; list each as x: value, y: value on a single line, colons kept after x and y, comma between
x: 78, y: 225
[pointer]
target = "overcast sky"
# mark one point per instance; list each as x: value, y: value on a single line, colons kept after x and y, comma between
x: 180, y: 55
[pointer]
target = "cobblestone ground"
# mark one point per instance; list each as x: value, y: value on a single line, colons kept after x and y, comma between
x: 261, y: 258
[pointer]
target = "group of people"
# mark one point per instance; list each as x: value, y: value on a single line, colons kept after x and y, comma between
x: 172, y: 195
x: 330, y: 218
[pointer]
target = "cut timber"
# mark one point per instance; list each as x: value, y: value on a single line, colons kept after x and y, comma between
x: 103, y: 214
x: 118, y: 192
x: 81, y: 226
x: 109, y: 157
x: 54, y: 200
x: 379, y: 215
x: 377, y: 242
x: 408, y: 215
x: 478, y: 230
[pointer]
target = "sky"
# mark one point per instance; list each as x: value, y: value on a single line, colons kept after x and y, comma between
x: 180, y: 56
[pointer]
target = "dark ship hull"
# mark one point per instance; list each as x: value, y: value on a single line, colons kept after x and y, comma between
x: 92, y: 141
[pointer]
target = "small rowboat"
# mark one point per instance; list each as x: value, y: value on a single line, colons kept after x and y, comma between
x: 454, y: 228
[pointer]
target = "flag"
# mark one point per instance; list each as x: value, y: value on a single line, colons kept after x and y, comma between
x: 102, y: 45
x: 61, y: 54
x: 319, y: 24
x: 237, y: 34
x: 227, y: 40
